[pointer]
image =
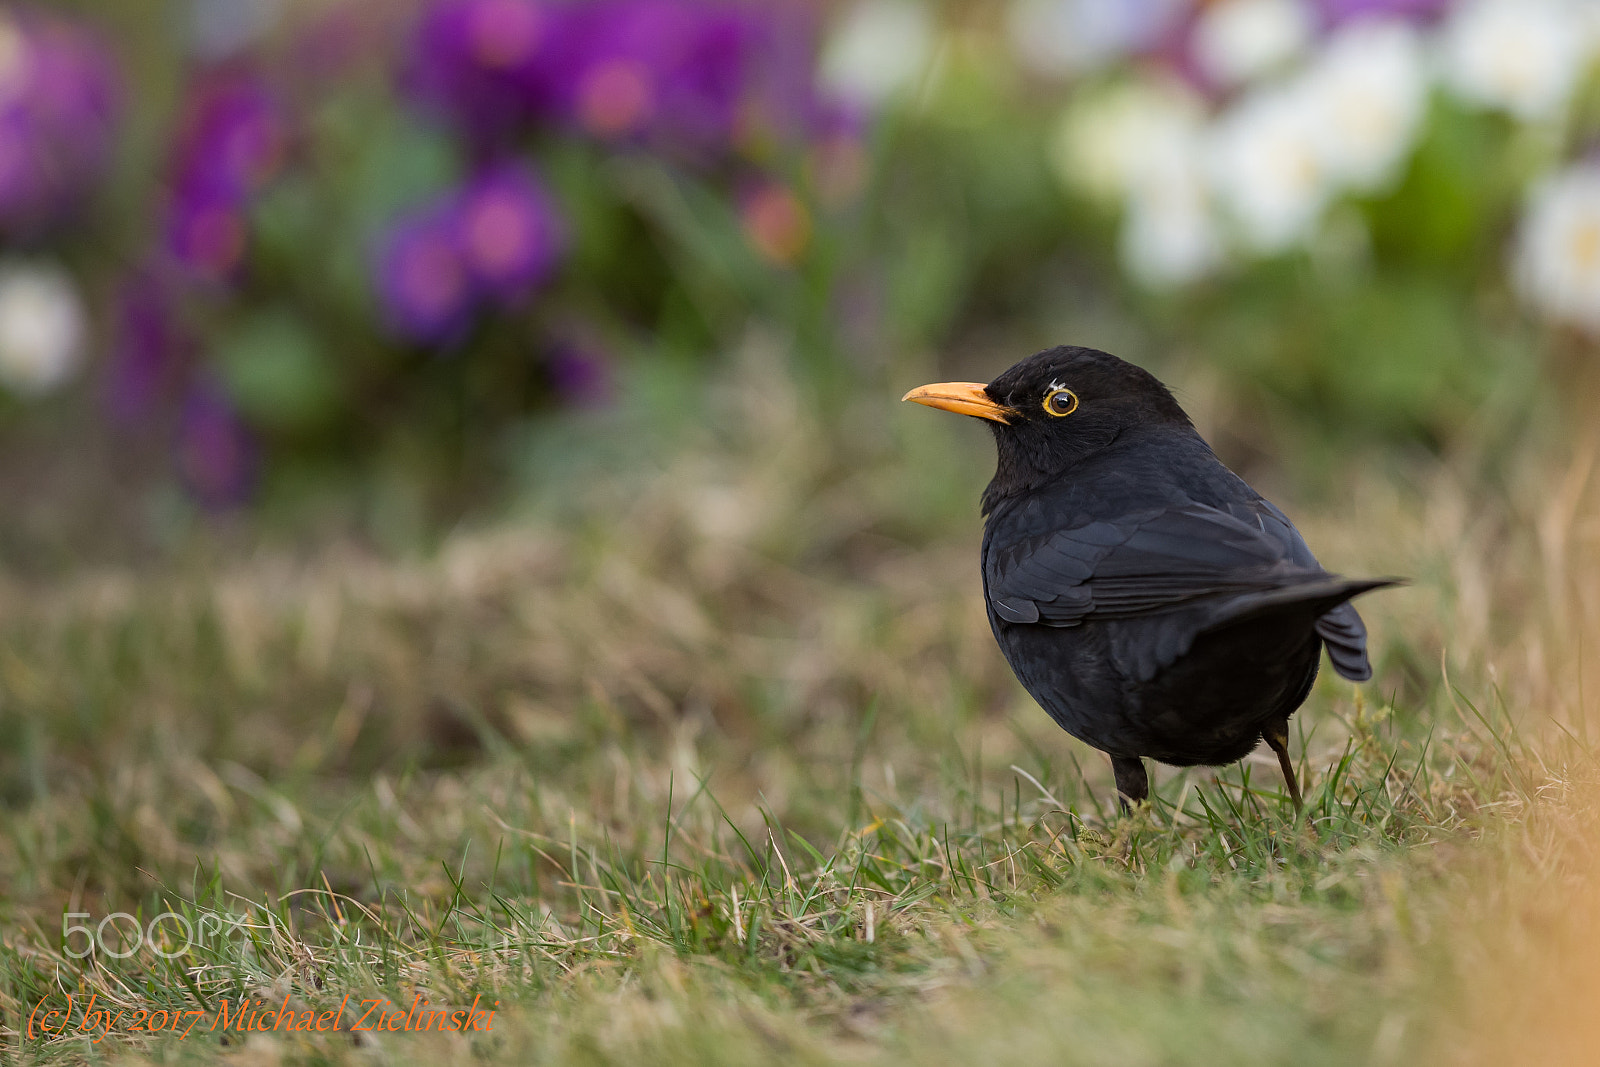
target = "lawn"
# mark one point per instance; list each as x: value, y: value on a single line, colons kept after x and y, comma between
x: 716, y: 762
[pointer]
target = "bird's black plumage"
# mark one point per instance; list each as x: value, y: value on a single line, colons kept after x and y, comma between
x: 1151, y: 601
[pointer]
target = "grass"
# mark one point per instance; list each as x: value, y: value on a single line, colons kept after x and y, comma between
x: 722, y: 767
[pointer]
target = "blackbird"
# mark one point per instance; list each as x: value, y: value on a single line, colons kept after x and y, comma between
x: 1152, y: 602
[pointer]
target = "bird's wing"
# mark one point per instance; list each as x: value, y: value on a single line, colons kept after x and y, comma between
x: 1162, y: 576
x: 1146, y: 563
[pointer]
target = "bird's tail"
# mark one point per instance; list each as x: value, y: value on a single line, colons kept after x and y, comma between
x: 1344, y: 635
x: 1327, y: 599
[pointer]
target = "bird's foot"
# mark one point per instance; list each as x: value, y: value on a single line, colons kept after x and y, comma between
x: 1133, y: 797
x: 1133, y: 786
x: 1277, y: 738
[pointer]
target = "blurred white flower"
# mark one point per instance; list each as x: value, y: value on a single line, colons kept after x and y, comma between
x: 42, y: 328
x: 1140, y: 146
x: 1169, y: 235
x: 1520, y: 56
x: 1557, y: 265
x: 879, y: 48
x: 1060, y: 38
x: 1237, y: 41
x: 1266, y: 167
x: 1110, y: 139
x: 1369, y: 91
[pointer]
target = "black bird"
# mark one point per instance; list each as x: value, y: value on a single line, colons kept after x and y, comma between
x: 1152, y: 602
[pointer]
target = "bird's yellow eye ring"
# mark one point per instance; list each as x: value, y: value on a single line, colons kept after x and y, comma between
x: 1059, y: 402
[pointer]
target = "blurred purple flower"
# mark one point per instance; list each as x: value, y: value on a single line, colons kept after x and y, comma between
x: 1336, y: 12
x: 25, y: 191
x: 608, y: 79
x: 510, y: 234
x: 497, y: 237
x: 703, y: 97
x: 59, y: 106
x: 782, y: 99
x: 216, y: 454
x: 669, y: 67
x: 686, y: 74
x: 580, y: 375
x: 487, y: 64
x: 148, y: 348
x: 422, y: 280
x: 207, y: 234
x: 233, y: 142
x: 234, y: 138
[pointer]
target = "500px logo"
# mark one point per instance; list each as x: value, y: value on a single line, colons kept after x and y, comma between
x: 169, y: 935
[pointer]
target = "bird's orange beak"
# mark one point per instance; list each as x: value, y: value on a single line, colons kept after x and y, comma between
x: 963, y: 398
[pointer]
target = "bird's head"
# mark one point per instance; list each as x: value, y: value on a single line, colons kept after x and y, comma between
x: 1054, y: 409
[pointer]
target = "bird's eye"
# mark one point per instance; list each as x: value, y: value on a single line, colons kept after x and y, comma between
x: 1060, y: 402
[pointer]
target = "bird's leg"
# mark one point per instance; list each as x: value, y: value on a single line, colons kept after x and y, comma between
x: 1276, y: 736
x: 1132, y: 784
